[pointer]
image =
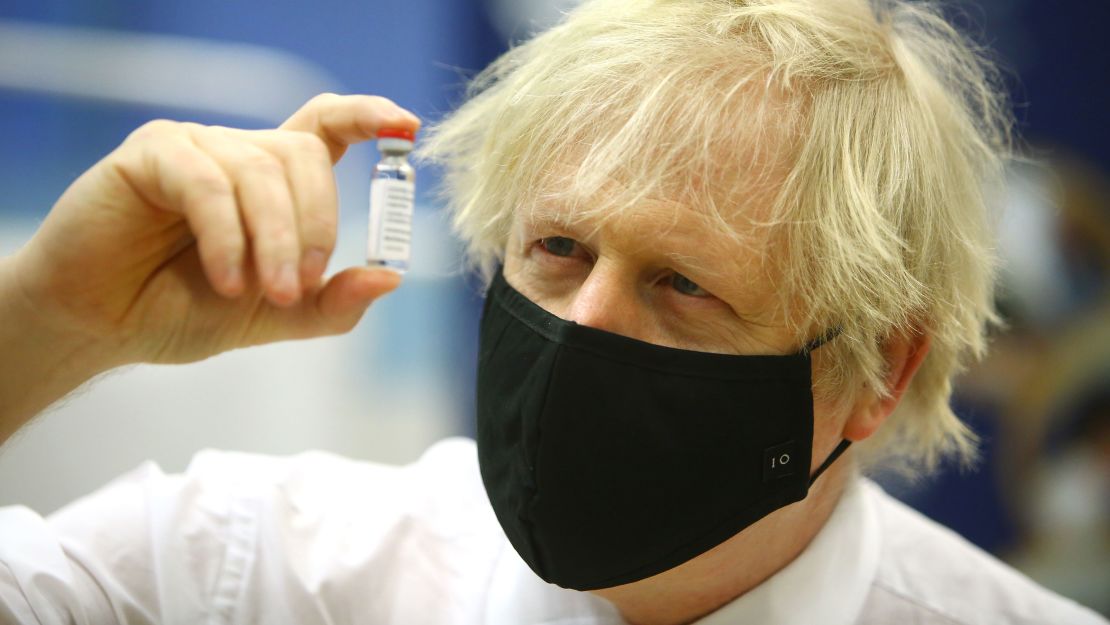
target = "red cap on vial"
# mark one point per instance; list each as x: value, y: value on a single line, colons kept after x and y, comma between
x: 396, y: 133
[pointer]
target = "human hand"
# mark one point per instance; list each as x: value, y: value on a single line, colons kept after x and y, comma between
x: 189, y: 240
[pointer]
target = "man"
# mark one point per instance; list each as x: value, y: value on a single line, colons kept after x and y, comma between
x: 736, y: 251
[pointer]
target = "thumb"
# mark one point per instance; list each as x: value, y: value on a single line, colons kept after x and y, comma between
x: 341, y: 303
x: 343, y: 120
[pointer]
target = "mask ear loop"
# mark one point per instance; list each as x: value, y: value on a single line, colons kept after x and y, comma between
x: 831, y: 334
x: 820, y: 341
x: 840, y: 449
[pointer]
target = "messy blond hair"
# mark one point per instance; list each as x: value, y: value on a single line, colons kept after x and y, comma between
x: 872, y: 130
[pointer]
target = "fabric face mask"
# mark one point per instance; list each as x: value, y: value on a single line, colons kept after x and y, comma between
x: 608, y: 459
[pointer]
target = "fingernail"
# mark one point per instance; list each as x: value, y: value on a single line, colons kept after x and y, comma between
x: 407, y: 113
x: 285, y: 282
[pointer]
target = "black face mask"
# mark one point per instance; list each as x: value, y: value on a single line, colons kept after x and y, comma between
x: 608, y: 459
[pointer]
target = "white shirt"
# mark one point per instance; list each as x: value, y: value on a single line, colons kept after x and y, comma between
x: 317, y: 538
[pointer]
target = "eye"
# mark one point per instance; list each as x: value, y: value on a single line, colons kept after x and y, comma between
x: 559, y: 246
x: 686, y: 286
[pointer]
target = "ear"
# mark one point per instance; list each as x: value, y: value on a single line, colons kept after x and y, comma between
x: 904, y: 355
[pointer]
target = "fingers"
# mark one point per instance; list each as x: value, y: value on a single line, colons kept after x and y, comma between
x: 269, y: 195
x: 344, y: 120
x: 266, y: 206
x: 315, y: 199
x: 189, y: 181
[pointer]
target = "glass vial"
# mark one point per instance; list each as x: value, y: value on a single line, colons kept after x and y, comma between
x: 392, y: 191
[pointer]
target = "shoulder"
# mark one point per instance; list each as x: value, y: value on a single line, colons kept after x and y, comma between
x: 450, y: 465
x: 928, y: 573
x: 306, y: 483
x: 236, y: 529
x: 325, y: 492
x: 446, y: 456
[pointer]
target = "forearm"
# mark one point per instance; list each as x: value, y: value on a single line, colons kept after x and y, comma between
x: 39, y: 362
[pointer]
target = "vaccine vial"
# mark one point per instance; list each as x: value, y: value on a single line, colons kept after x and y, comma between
x: 392, y: 191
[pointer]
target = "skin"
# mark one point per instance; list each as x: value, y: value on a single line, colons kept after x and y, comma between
x: 184, y: 242
x: 662, y: 280
x: 188, y: 241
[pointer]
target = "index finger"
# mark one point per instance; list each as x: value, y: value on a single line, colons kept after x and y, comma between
x: 341, y: 120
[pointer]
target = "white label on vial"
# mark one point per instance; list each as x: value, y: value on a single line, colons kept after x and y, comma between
x: 390, y: 219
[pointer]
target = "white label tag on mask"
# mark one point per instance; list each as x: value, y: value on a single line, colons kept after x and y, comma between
x: 779, y: 461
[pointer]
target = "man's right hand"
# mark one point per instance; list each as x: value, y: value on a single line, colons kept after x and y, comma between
x: 189, y: 240
x: 184, y: 242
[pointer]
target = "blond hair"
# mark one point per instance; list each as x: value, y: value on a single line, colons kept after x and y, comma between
x: 873, y: 130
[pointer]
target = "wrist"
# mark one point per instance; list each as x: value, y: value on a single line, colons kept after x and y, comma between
x: 41, y: 360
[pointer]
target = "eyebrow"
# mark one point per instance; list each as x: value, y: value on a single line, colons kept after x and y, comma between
x: 541, y: 216
x: 746, y: 303
x: 689, y: 263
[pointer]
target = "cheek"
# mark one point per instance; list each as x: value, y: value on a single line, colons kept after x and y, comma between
x: 511, y: 260
x: 711, y: 333
x: 829, y: 419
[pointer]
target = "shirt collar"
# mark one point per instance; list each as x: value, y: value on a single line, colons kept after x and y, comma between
x: 828, y: 582
x: 518, y: 597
